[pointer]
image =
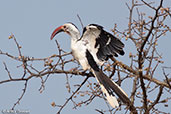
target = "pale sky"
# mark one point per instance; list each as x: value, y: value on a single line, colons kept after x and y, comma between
x: 32, y: 22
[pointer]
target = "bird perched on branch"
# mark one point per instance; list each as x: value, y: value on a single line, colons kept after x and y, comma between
x: 91, y: 50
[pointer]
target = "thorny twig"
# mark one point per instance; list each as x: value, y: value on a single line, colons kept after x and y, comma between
x: 70, y: 98
x: 23, y: 93
x: 80, y: 21
x: 143, y: 33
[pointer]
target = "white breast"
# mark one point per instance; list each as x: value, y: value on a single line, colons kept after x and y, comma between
x: 79, y: 51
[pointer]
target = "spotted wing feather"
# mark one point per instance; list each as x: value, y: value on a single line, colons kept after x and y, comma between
x: 108, y: 45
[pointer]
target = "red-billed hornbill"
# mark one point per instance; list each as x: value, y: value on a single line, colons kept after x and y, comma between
x: 93, y: 48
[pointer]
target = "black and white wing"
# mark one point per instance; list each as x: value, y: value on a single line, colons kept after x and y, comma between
x: 102, y: 43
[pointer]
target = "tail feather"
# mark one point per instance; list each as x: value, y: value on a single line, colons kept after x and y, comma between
x: 108, y: 86
x: 111, y: 87
x: 110, y: 98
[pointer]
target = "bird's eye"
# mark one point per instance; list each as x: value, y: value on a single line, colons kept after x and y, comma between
x: 89, y: 28
x: 64, y: 26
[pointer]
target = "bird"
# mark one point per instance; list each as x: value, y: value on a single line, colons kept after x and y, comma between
x: 92, y: 49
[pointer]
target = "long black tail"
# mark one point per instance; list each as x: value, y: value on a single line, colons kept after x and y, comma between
x: 108, y: 86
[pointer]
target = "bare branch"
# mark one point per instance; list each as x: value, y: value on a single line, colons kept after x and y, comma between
x: 19, y: 99
x: 157, y: 99
x: 70, y: 98
x: 7, y: 70
x: 80, y: 21
x: 143, y: 31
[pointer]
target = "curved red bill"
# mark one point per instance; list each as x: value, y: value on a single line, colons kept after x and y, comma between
x: 56, y: 31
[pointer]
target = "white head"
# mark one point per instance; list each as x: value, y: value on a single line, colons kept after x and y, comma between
x: 68, y: 28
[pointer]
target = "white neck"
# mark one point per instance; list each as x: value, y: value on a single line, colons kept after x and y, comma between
x: 75, y: 35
